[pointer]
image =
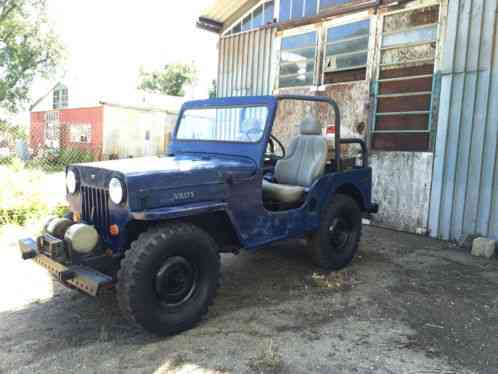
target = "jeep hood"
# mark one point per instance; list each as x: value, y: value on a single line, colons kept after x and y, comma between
x: 154, y: 182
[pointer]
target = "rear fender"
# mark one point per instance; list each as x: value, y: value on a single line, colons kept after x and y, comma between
x: 355, y: 183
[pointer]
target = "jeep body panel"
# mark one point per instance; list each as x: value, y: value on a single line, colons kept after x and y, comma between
x: 200, y: 177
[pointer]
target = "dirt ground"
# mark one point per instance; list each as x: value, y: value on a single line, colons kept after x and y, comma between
x: 406, y: 305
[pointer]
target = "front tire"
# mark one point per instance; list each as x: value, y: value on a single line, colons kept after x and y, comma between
x: 168, y: 278
x: 335, y: 244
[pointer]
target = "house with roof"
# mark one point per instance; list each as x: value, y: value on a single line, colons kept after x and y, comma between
x: 139, y: 125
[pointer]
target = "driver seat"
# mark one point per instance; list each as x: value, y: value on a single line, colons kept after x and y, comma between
x: 303, y: 165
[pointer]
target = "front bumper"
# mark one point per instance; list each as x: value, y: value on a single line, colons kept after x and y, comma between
x: 83, y: 278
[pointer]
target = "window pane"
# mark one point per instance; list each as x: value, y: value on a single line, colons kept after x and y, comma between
x: 301, y: 67
x: 324, y: 4
x: 298, y: 80
x: 246, y: 23
x: 297, y: 8
x: 257, y: 18
x: 350, y: 30
x: 285, y: 7
x: 298, y: 55
x: 237, y: 28
x: 310, y: 8
x: 269, y: 8
x: 344, y: 62
x: 299, y: 41
x: 348, y: 46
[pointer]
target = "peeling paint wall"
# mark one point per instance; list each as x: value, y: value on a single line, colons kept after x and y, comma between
x: 401, y: 185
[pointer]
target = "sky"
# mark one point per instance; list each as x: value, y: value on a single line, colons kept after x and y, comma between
x: 108, y: 41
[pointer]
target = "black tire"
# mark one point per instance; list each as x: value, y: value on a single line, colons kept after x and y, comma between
x: 149, y: 291
x: 335, y: 244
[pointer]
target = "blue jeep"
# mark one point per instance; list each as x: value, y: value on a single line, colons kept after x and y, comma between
x: 154, y: 228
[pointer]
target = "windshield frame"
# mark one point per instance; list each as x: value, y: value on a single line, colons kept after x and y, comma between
x: 232, y: 106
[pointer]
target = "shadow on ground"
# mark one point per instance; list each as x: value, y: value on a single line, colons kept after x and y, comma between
x: 406, y: 305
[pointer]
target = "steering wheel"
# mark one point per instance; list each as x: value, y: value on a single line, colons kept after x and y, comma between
x: 272, y: 154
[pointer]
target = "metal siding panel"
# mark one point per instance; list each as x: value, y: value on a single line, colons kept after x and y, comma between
x: 447, y: 202
x: 488, y: 187
x: 222, y: 83
x: 247, y: 83
x: 246, y: 63
x: 231, y: 66
x: 465, y: 182
x: 440, y: 156
x: 269, y: 48
x: 255, y: 62
x: 261, y: 62
x: 456, y: 173
x: 439, y: 184
x: 479, y: 109
x: 463, y: 154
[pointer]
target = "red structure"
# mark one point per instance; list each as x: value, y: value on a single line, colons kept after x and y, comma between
x: 79, y: 128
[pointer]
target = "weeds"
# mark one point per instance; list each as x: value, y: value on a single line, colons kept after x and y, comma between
x: 28, y: 194
x: 268, y: 361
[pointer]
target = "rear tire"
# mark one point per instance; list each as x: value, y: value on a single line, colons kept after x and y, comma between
x: 168, y: 278
x: 335, y: 244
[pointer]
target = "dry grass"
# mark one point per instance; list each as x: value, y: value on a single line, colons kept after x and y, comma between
x: 269, y: 361
x: 335, y: 280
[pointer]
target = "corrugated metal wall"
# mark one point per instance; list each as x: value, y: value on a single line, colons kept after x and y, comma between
x: 465, y: 181
x: 245, y: 63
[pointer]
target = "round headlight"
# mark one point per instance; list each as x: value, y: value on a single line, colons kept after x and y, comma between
x: 71, y: 182
x: 116, y: 191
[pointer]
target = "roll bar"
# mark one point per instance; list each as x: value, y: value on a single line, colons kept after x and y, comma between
x: 338, y: 140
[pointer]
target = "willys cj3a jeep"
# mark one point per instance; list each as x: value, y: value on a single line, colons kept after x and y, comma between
x: 154, y: 228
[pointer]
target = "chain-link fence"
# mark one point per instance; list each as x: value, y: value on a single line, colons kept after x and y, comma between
x: 55, y: 139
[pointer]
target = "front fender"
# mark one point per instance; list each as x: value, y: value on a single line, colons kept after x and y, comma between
x: 178, y: 211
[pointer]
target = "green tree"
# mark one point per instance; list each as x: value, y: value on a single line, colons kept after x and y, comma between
x: 28, y: 49
x: 170, y: 80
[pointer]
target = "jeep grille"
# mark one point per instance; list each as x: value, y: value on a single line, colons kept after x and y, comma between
x: 95, y: 208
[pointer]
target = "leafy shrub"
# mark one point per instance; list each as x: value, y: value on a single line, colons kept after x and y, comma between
x: 6, y: 160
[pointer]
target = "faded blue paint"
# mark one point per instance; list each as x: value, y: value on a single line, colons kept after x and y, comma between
x: 203, y: 176
x: 465, y: 180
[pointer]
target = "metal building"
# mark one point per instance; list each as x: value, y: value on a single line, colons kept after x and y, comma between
x: 464, y: 197
x: 415, y: 78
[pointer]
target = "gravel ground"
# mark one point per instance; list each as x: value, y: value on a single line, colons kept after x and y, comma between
x: 406, y: 305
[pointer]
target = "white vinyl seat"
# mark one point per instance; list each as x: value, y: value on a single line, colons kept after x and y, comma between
x: 304, y: 164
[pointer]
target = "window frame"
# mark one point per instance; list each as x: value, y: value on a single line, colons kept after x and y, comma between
x: 346, y: 20
x: 296, y: 32
x: 303, y: 10
x: 60, y: 98
x: 86, y: 126
x: 378, y: 80
x: 250, y: 13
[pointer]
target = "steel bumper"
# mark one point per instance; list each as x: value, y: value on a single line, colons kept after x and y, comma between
x: 85, y: 279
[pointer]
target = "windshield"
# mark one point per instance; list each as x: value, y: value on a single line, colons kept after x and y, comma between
x: 231, y: 124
